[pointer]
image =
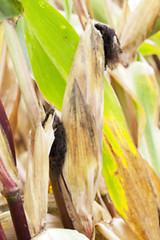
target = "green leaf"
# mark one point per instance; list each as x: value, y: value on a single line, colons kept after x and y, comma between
x: 98, y: 10
x: 51, y: 42
x: 133, y: 111
x: 156, y: 39
x: 127, y: 181
x: 10, y: 9
x: 49, y: 80
x: 68, y: 8
x: 149, y: 48
x: 20, y: 32
x: 151, y: 45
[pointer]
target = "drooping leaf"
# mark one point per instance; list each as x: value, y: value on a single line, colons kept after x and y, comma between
x: 53, y: 38
x: 9, y: 92
x: 132, y: 109
x: 126, y: 177
x: 155, y: 181
x: 10, y: 9
x: 139, y: 78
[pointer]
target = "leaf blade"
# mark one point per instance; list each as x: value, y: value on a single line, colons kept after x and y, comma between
x: 130, y: 173
x: 55, y: 35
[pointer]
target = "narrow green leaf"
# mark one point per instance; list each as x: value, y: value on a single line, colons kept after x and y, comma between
x: 10, y: 9
x: 133, y: 111
x: 50, y: 35
x: 68, y: 8
x: 21, y: 35
x: 48, y: 78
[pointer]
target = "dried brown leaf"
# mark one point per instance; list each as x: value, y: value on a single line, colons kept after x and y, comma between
x: 10, y: 93
x: 106, y: 232
x: 155, y: 181
x: 100, y: 213
x: 36, y: 189
x: 138, y: 27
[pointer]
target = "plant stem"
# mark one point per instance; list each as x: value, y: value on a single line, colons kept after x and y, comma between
x: 4, y: 122
x: 22, y: 72
x: 67, y: 223
x: 2, y: 234
x: 18, y: 216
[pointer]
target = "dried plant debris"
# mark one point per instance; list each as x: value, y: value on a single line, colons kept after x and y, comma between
x: 111, y: 45
x: 58, y: 149
x: 50, y: 112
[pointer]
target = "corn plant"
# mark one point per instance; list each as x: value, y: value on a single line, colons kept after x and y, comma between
x: 79, y: 119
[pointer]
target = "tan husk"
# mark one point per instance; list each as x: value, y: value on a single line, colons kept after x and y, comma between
x: 88, y: 70
x: 82, y: 116
x: 83, y: 161
x: 36, y: 188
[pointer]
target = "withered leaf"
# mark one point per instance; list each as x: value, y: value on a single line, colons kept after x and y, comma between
x: 138, y: 27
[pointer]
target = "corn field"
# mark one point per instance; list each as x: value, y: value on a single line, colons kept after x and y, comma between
x: 80, y: 119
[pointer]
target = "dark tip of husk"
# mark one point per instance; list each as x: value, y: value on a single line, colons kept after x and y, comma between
x: 111, y: 45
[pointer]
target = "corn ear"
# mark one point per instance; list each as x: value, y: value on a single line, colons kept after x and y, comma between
x: 83, y: 162
x: 88, y: 70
